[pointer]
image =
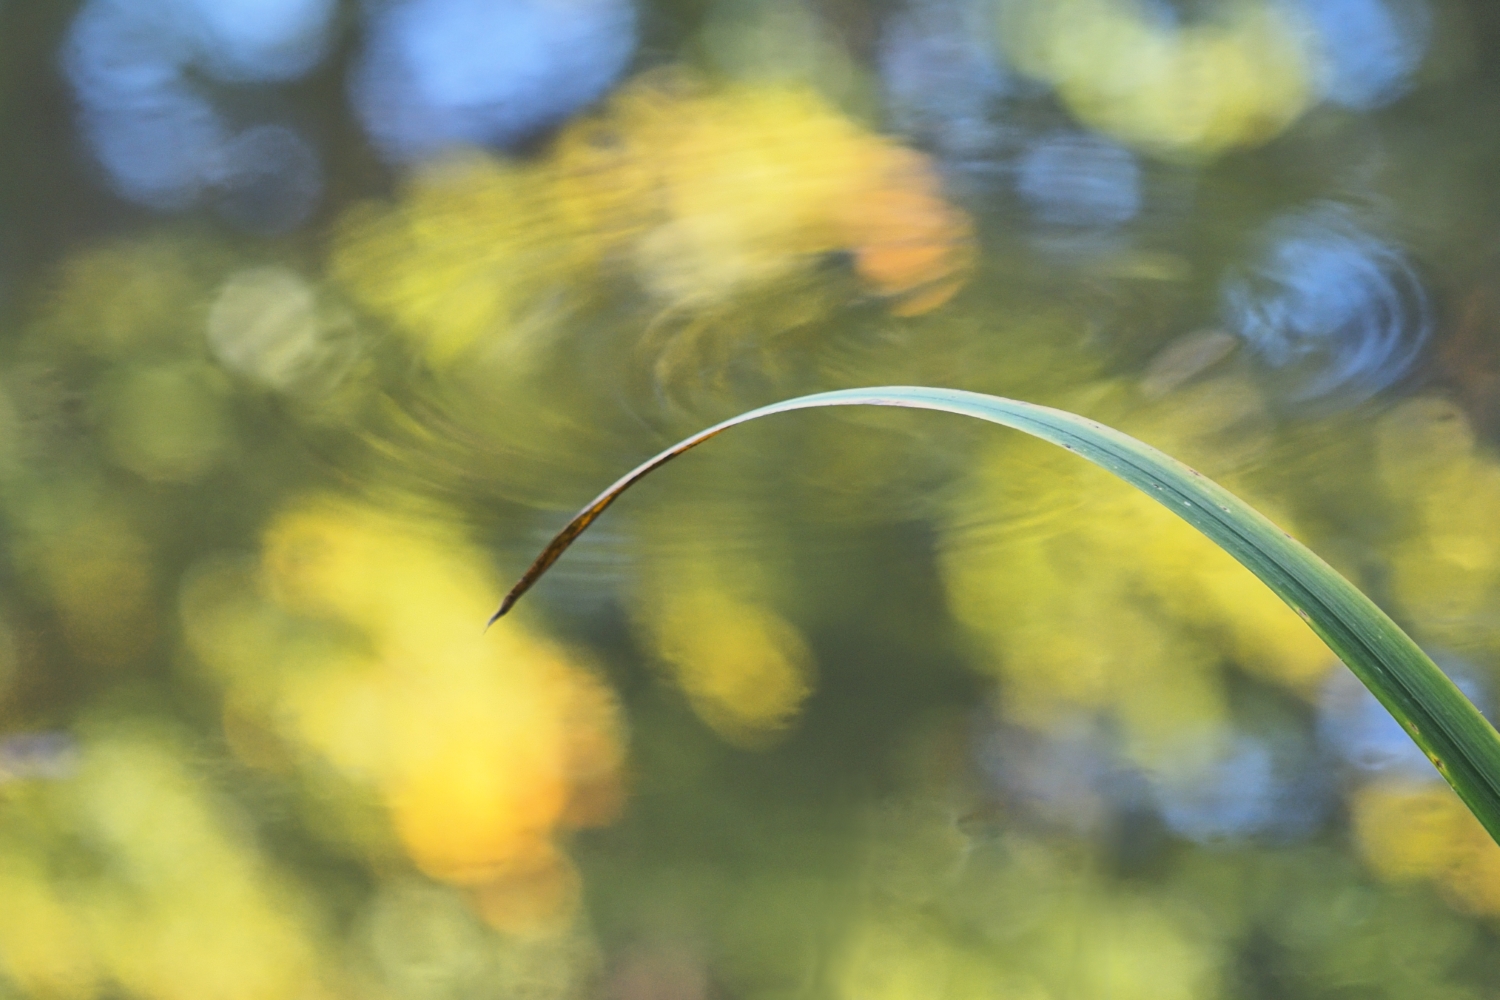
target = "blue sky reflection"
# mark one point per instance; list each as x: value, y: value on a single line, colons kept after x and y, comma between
x: 441, y: 73
x: 1341, y: 311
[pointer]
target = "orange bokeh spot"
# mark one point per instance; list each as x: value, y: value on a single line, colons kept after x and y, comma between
x: 530, y: 899
x: 909, y: 243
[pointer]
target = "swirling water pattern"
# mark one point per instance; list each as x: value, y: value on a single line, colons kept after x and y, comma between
x: 1340, y: 311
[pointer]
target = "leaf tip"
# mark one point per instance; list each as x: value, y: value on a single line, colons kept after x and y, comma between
x: 505, y: 606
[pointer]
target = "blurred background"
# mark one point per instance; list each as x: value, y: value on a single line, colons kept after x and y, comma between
x: 318, y: 317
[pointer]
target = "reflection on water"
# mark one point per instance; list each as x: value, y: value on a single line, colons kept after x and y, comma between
x: 1334, y: 304
x: 672, y: 252
x: 268, y: 325
x: 345, y: 645
x: 31, y: 756
x: 1180, y: 88
x: 848, y: 704
x: 169, y: 896
x: 154, y: 128
x: 1078, y: 180
x: 943, y: 79
x: 1356, y: 729
x: 781, y: 41
x: 439, y: 74
x: 1367, y: 50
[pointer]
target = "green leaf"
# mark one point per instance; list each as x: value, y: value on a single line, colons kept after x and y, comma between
x: 1461, y: 744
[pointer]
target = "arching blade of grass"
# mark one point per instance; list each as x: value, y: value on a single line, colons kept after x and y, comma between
x: 1462, y: 745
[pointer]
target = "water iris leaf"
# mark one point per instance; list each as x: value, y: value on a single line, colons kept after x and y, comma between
x: 1459, y: 741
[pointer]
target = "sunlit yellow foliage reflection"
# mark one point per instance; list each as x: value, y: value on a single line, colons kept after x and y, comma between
x: 482, y: 748
x: 1199, y: 89
x: 745, y: 669
x: 693, y: 194
x: 471, y: 245
x: 1082, y: 593
x: 1410, y: 832
x: 711, y: 618
x: 1446, y: 567
x: 134, y: 876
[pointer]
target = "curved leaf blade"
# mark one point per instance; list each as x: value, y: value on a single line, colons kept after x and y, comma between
x: 1460, y: 742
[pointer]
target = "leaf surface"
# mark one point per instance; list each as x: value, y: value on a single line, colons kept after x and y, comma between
x: 1460, y: 742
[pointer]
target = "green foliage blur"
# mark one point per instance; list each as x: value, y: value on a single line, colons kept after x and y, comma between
x: 853, y: 705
